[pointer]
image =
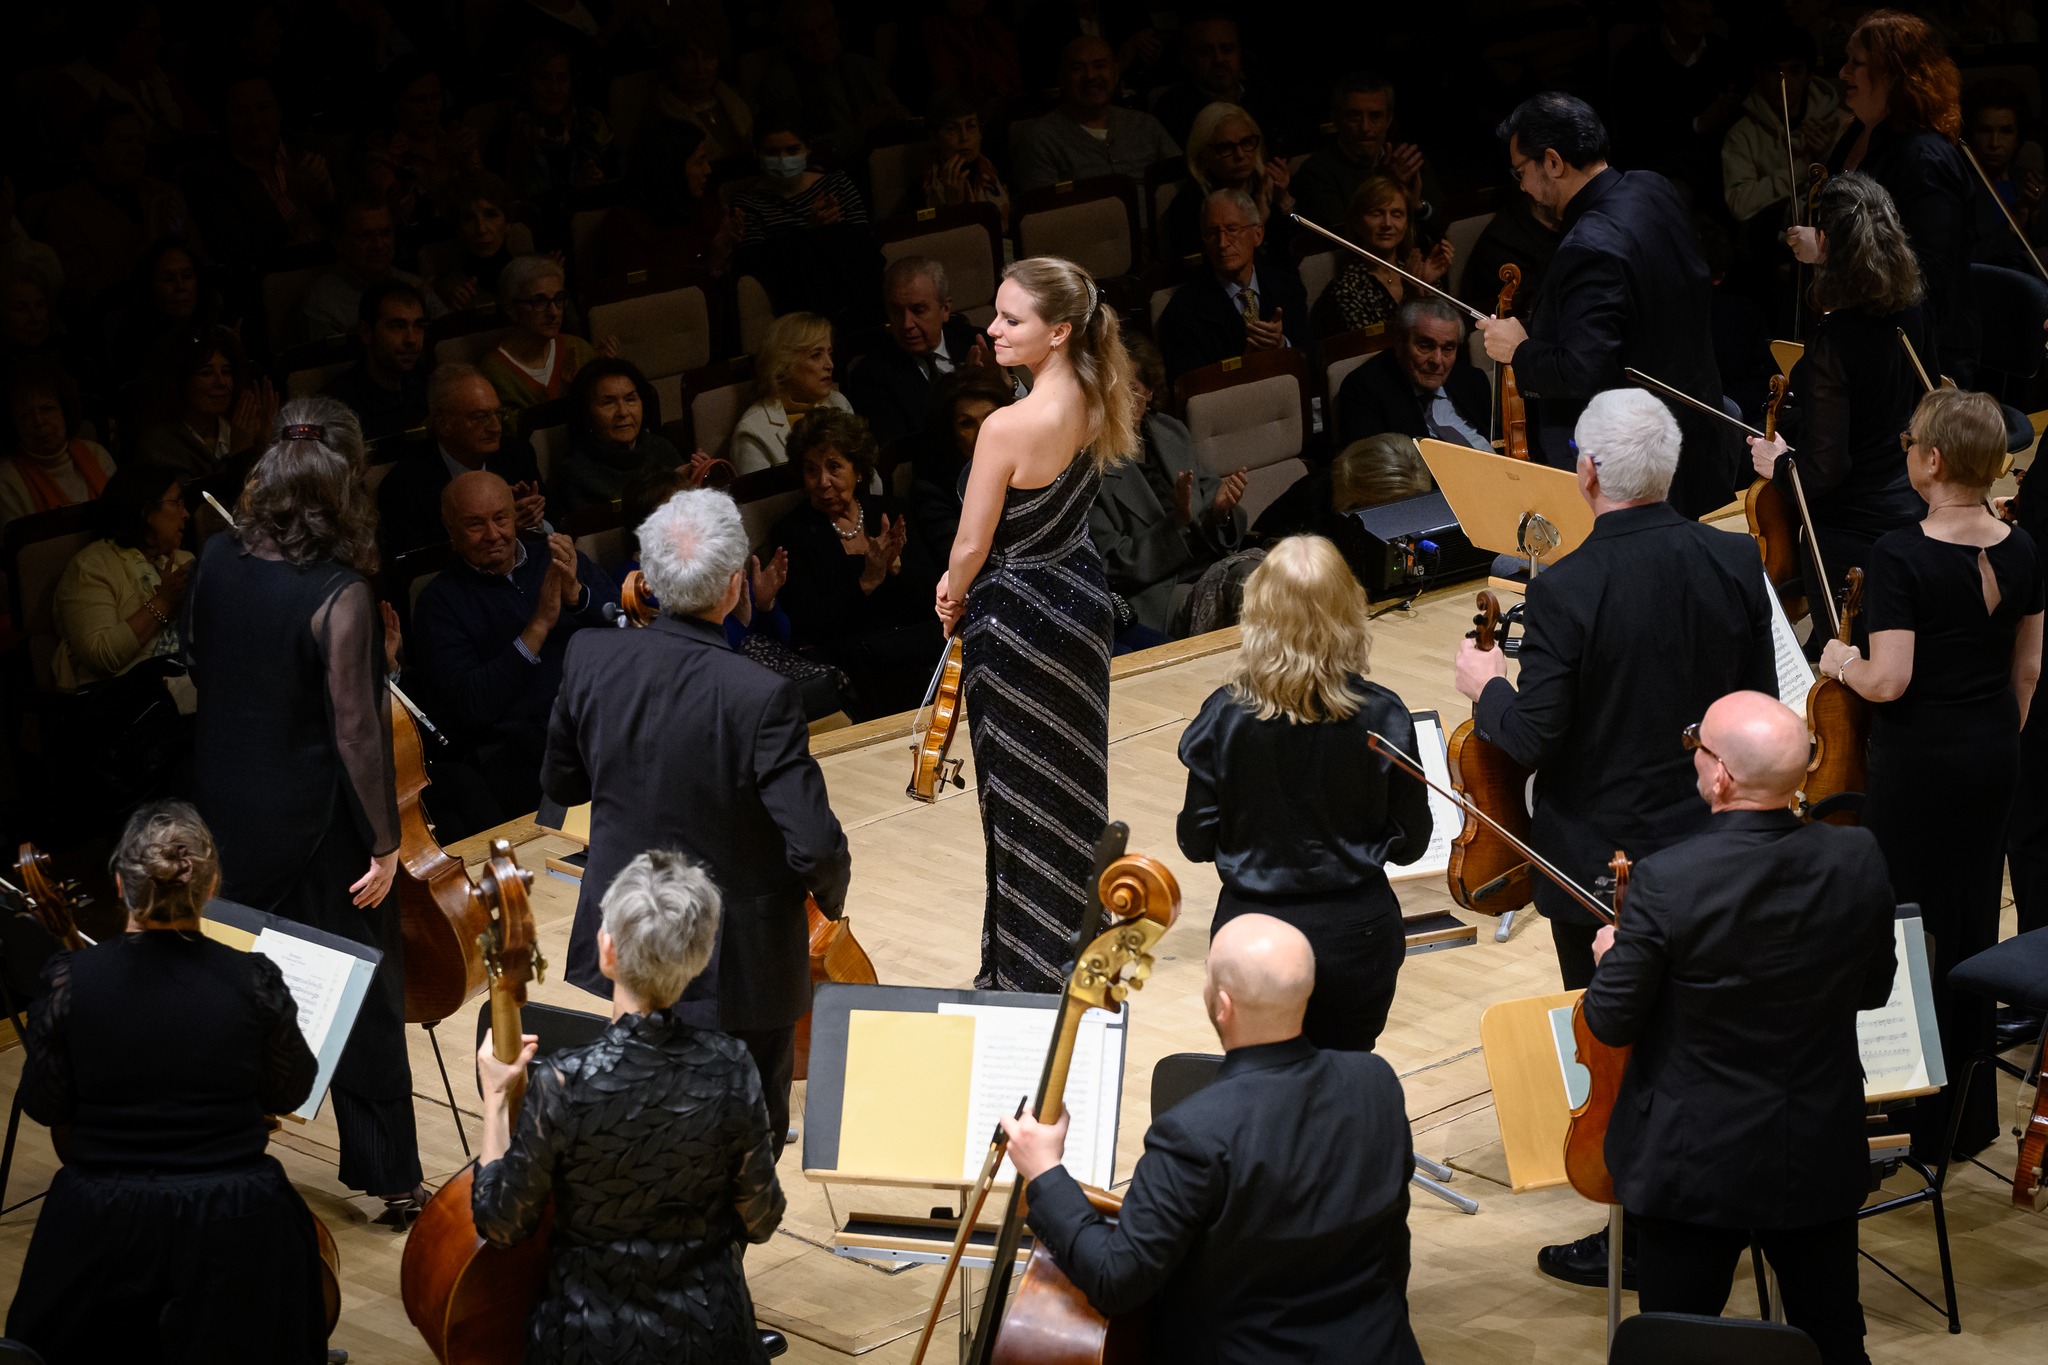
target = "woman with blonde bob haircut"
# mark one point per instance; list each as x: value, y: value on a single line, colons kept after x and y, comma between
x: 1025, y: 584
x: 1288, y: 798
x: 794, y: 379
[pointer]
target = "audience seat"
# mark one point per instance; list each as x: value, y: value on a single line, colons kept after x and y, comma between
x: 754, y: 309
x: 284, y: 289
x: 1157, y: 301
x: 440, y: 258
x: 1162, y: 187
x: 1252, y: 413
x: 668, y: 400
x: 591, y: 205
x: 306, y: 369
x: 663, y: 323
x: 1344, y: 353
x: 36, y: 551
x: 1463, y: 235
x: 967, y: 239
x: 765, y: 497
x: 895, y: 153
x: 1093, y: 223
x: 465, y: 337
x: 713, y: 399
x: 1317, y: 269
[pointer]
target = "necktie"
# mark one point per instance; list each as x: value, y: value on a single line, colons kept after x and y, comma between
x: 1442, y: 419
x: 1248, y: 301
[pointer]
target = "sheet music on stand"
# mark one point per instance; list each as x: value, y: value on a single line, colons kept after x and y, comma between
x: 1445, y: 818
x: 1795, y: 675
x: 1900, y: 1040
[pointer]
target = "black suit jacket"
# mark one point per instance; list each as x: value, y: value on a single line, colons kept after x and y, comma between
x: 1738, y: 966
x: 1628, y: 287
x: 891, y: 388
x: 1629, y: 639
x: 1377, y: 397
x: 1267, y: 1220
x: 1200, y: 325
x: 409, y: 498
x: 680, y: 742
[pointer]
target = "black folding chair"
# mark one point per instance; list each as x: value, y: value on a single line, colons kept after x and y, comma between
x: 1687, y: 1339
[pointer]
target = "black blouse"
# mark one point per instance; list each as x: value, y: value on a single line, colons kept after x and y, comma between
x: 1932, y: 185
x: 1284, y: 809
x: 1962, y: 654
x: 653, y: 1145
x: 1853, y: 392
x: 164, y: 1051
x: 827, y: 609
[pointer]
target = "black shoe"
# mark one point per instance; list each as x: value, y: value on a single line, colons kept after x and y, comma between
x: 2017, y: 1028
x: 402, y: 1211
x: 1585, y: 1262
x: 774, y: 1343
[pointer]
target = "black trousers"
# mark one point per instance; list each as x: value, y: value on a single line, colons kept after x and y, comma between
x: 1574, y: 942
x: 1689, y: 1268
x: 774, y: 1052
x: 1359, y: 946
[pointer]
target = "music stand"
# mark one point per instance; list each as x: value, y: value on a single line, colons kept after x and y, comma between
x: 1511, y: 507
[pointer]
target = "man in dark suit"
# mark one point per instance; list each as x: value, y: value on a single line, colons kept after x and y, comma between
x: 466, y: 430
x: 1629, y: 638
x: 1231, y: 1272
x: 387, y: 388
x: 1741, y: 958
x: 1418, y: 387
x: 922, y: 344
x: 1627, y: 288
x: 678, y: 741
x: 1241, y: 302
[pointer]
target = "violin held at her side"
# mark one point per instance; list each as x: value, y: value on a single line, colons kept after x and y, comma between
x: 931, y: 769
x: 1585, y: 1140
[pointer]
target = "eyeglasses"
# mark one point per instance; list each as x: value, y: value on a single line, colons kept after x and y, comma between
x: 1907, y: 442
x: 1515, y: 168
x: 1244, y: 146
x: 1691, y: 737
x: 543, y: 301
x: 1226, y: 233
x: 1573, y: 446
x: 482, y: 417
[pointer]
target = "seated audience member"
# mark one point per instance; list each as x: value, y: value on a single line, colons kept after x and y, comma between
x: 537, y: 359
x: 1140, y: 40
x: 959, y: 404
x: 806, y: 236
x: 479, y: 205
x: 254, y: 195
x: 31, y: 329
x: 414, y: 156
x: 102, y: 223
x: 1996, y: 120
x: 365, y: 242
x: 387, y: 387
x: 956, y: 171
x: 118, y: 600
x: 1212, y: 72
x: 859, y: 594
x: 203, y: 403
x: 51, y: 466
x: 892, y: 384
x: 120, y: 50
x: 1420, y: 385
x: 1086, y: 134
x: 971, y: 50
x: 1362, y: 115
x: 170, y: 292
x: 691, y: 91
x: 1677, y: 86
x: 1226, y: 151
x: 610, y: 443
x: 1523, y: 233
x: 490, y: 631
x: 466, y: 430
x: 835, y: 94
x: 670, y: 217
x: 553, y: 143
x: 1241, y: 301
x: 793, y: 382
x: 1365, y: 293
x: 1156, y: 521
x: 1755, y: 175
x: 1367, y: 473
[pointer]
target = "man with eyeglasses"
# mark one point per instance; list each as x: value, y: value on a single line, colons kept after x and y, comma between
x: 1243, y: 302
x: 1628, y: 287
x: 466, y: 431
x: 1628, y: 639
x: 1736, y: 970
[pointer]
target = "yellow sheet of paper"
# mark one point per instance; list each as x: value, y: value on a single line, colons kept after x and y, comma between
x: 907, y: 1079
x: 241, y: 940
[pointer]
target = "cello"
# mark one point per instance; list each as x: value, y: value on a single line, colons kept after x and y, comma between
x: 1514, y: 415
x: 1838, y: 719
x: 439, y: 916
x: 1043, y: 1317
x: 1770, y: 521
x: 930, y: 769
x: 1488, y: 871
x: 469, y: 1298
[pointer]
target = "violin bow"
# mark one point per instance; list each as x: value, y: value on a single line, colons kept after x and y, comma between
x: 1914, y: 356
x: 1467, y: 309
x: 1798, y: 487
x: 1380, y: 744
x: 1791, y: 185
x: 2010, y: 221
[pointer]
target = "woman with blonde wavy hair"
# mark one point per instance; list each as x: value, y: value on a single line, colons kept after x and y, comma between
x: 1025, y: 584
x: 1287, y: 797
x: 1227, y: 151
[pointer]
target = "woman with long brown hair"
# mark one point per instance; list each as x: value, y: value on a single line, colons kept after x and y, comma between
x: 293, y: 764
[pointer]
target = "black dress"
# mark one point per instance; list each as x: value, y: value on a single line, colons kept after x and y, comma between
x: 1944, y: 759
x: 170, y: 1235
x: 1036, y: 685
x: 653, y: 1143
x: 294, y: 776
x: 1301, y: 821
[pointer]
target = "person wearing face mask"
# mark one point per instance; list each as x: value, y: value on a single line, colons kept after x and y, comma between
x: 203, y: 405
x: 50, y: 467
x: 794, y: 382
x: 1419, y: 386
x: 806, y: 235
x: 610, y: 444
x: 670, y: 217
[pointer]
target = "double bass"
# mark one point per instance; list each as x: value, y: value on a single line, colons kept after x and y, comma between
x: 1514, y: 414
x: 469, y: 1298
x: 1489, y: 871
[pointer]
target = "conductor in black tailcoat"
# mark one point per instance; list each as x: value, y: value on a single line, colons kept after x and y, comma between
x: 1627, y: 288
x: 1740, y: 960
x: 680, y: 742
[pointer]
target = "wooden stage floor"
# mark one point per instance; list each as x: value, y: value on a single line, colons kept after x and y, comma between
x: 1475, y: 1295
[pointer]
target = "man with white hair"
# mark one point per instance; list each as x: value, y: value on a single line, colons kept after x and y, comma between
x: 1230, y: 1272
x: 1741, y: 958
x: 1244, y: 301
x: 922, y: 343
x: 677, y: 741
x: 1628, y: 639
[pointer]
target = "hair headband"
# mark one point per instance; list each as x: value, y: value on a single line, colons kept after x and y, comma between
x: 304, y: 431
x: 1089, y: 316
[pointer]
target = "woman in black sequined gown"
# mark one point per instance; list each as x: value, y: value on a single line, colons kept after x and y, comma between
x: 1027, y: 582
x: 652, y: 1144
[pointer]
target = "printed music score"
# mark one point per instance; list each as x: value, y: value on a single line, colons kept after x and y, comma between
x: 1900, y: 1053
x: 1795, y: 675
x: 1010, y: 1045
x: 1445, y: 817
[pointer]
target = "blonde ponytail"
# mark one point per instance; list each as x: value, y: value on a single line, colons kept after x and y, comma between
x: 1063, y: 292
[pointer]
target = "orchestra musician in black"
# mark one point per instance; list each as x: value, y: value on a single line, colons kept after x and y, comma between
x: 1735, y: 971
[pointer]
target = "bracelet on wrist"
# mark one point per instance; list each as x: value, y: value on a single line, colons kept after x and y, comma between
x: 149, y: 605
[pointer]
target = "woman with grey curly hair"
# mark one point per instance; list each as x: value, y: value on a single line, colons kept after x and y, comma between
x: 651, y: 1145
x: 293, y: 768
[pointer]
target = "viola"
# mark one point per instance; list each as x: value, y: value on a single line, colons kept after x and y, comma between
x: 1585, y: 1140
x: 635, y: 601
x: 1514, y: 417
x: 52, y: 904
x: 1838, y: 719
x: 930, y: 769
x: 1488, y: 872
x: 2027, y: 1192
x: 439, y: 915
x: 835, y: 956
x: 471, y: 1299
x: 1771, y: 521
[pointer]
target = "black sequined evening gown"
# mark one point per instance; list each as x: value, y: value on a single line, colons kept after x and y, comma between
x: 1036, y: 686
